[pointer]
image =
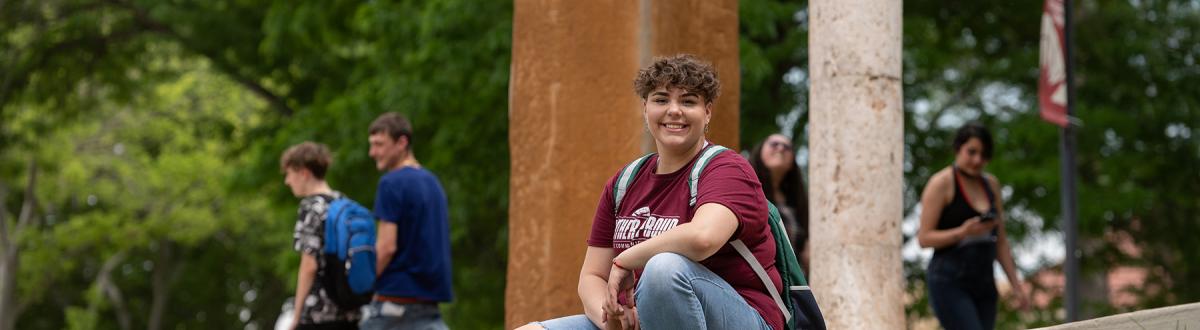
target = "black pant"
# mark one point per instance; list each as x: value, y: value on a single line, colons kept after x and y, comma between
x: 344, y: 325
x: 962, y: 289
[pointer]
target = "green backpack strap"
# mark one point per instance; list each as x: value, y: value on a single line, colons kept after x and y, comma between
x: 743, y: 250
x: 630, y: 171
x: 785, y: 258
x: 785, y: 263
x: 706, y: 156
x: 625, y: 179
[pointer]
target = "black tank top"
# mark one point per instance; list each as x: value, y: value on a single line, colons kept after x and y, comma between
x: 959, y: 210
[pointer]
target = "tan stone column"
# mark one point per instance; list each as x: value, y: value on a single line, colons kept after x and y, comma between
x: 574, y: 121
x: 857, y: 152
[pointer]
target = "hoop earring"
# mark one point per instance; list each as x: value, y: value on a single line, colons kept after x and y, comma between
x: 705, y: 128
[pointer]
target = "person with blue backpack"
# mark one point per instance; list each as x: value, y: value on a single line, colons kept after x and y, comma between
x: 683, y: 238
x: 304, y: 166
x: 413, y: 245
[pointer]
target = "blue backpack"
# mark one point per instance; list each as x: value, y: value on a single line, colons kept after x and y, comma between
x: 349, y: 271
x: 799, y: 306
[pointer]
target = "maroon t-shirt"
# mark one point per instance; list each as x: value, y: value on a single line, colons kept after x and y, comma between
x: 655, y: 203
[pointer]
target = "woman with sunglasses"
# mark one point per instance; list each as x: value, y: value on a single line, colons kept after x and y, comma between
x: 658, y: 259
x: 962, y: 218
x: 774, y: 161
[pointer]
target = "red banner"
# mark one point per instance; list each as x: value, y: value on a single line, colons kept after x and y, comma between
x: 1052, y: 82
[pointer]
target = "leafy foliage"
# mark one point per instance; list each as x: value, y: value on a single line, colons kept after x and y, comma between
x: 75, y: 70
x: 773, y: 49
x: 134, y: 198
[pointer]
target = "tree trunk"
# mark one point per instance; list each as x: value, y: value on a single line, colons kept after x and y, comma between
x: 857, y: 152
x: 8, y: 279
x: 113, y: 292
x: 161, y: 279
x: 10, y: 261
x: 7, y: 267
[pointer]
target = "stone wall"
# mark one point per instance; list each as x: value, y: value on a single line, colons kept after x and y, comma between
x: 1174, y: 317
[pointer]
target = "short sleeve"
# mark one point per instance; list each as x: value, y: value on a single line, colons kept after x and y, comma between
x: 308, y: 238
x: 604, y: 222
x: 388, y: 197
x: 730, y: 182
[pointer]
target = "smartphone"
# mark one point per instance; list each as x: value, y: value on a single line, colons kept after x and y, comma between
x: 988, y: 216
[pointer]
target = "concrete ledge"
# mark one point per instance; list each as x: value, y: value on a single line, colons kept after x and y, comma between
x: 1174, y: 317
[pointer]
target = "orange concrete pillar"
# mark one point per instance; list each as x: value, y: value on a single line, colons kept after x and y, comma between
x: 709, y: 30
x: 574, y: 121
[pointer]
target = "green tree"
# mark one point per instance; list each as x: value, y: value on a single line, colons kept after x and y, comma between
x: 323, y: 71
x: 773, y: 48
x: 133, y: 200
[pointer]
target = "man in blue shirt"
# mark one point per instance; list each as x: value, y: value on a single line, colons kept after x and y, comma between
x: 413, y: 246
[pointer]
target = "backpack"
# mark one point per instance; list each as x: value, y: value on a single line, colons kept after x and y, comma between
x: 800, y: 309
x: 349, y: 254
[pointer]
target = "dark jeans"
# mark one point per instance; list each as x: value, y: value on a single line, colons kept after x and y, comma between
x: 329, y: 326
x: 962, y: 289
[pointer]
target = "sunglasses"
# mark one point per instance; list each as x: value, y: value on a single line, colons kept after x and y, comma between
x: 780, y: 145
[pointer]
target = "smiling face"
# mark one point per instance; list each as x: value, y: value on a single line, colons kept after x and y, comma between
x: 970, y: 157
x: 676, y: 119
x: 777, y: 154
x: 387, y: 152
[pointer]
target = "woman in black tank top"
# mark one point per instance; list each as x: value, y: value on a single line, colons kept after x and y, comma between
x: 962, y: 219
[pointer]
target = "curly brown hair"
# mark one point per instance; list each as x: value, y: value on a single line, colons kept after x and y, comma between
x: 684, y: 71
x: 308, y: 155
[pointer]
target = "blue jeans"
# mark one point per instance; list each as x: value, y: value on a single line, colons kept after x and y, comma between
x: 962, y: 289
x: 675, y: 292
x: 381, y: 315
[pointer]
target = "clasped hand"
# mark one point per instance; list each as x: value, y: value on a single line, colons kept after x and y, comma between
x: 617, y: 315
